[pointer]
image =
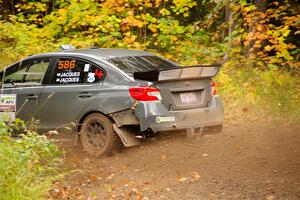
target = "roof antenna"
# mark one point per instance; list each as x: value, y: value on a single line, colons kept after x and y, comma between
x: 66, y: 47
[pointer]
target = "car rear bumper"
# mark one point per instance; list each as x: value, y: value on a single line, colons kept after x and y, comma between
x: 154, y: 116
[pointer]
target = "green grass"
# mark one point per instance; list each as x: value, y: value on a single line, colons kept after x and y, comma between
x: 28, y: 165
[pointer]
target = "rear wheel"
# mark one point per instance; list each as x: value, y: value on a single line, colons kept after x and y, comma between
x: 97, y: 135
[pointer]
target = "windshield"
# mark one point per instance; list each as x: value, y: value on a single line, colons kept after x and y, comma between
x: 132, y: 64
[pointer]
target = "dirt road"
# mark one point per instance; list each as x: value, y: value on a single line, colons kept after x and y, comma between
x: 247, y: 161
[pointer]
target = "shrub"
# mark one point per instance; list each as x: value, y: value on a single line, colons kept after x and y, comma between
x: 28, y: 165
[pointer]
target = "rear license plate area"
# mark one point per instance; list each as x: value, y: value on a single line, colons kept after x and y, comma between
x: 188, y: 98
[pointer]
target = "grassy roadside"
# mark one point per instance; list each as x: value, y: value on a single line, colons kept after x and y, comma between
x: 268, y: 93
x: 28, y: 165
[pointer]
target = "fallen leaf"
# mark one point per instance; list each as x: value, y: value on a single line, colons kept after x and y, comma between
x: 93, y: 177
x: 195, y: 175
x: 163, y: 157
x: 108, y: 188
x: 110, y: 177
x: 270, y: 197
x: 183, y: 179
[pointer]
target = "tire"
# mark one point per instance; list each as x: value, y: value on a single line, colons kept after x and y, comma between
x: 97, y: 135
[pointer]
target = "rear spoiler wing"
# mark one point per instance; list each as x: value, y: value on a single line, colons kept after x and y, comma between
x: 188, y: 72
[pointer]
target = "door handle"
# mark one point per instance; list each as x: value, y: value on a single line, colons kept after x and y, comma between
x: 85, y: 95
x: 32, y: 97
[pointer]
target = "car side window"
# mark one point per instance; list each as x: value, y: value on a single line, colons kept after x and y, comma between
x: 28, y: 73
x: 73, y: 71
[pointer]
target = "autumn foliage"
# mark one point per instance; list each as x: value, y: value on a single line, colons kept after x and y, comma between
x: 257, y: 38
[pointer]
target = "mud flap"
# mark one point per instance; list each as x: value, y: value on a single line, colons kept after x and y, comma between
x: 128, y: 138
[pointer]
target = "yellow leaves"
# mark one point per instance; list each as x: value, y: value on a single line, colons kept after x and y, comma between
x: 148, y: 5
x: 250, y: 36
x: 286, y: 31
x: 130, y: 13
x: 249, y: 8
x: 268, y: 48
x: 152, y: 28
x: 284, y: 54
x: 158, y: 3
x: 276, y: 3
x: 257, y: 44
x: 263, y: 31
x: 114, y: 5
x: 173, y: 38
x: 259, y: 28
x: 164, y: 12
x: 131, y: 21
x: 186, y: 14
x: 183, y: 6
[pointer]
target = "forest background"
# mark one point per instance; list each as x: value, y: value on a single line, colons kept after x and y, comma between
x: 257, y: 41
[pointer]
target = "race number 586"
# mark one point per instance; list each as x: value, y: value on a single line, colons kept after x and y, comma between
x: 66, y: 64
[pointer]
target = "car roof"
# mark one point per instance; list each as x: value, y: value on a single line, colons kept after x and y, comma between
x: 101, y: 53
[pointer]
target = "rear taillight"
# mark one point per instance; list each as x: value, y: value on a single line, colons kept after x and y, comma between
x: 144, y: 93
x: 213, y: 88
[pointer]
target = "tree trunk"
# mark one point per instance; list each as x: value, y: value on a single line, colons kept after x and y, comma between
x: 228, y: 19
x: 7, y: 7
x: 261, y: 6
x: 230, y: 22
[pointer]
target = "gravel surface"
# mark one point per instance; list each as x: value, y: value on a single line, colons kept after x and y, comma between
x: 252, y: 160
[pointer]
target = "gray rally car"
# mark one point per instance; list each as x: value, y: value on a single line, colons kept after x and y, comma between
x: 112, y: 95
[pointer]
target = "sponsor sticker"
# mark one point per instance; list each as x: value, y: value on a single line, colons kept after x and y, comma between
x: 160, y: 119
x: 8, y: 107
x: 66, y: 64
x: 91, y: 77
x: 98, y: 73
x: 86, y: 67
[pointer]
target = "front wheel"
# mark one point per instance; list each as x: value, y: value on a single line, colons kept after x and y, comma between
x: 97, y: 135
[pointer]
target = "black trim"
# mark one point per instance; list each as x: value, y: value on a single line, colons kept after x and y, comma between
x: 47, y: 77
x: 153, y: 75
x: 147, y: 76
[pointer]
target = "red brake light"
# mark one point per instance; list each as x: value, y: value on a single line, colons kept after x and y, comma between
x: 213, y: 88
x: 144, y: 93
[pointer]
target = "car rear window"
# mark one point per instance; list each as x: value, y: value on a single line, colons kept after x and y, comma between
x: 132, y: 64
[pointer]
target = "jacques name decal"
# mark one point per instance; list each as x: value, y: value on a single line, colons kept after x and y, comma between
x: 67, y: 77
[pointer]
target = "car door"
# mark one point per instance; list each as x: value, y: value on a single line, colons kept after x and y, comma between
x: 73, y: 85
x: 25, y: 79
